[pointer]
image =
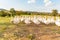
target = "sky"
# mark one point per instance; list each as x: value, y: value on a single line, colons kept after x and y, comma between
x: 31, y: 5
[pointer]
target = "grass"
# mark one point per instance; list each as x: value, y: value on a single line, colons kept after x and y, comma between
x: 5, y: 19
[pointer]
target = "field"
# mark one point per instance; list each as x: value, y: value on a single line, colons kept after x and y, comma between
x: 22, y: 31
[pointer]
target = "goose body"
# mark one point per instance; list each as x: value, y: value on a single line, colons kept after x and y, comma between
x: 57, y: 22
x: 16, y: 20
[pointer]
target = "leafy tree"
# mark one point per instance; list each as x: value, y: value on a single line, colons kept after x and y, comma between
x: 12, y: 10
x: 54, y: 12
x: 2, y: 13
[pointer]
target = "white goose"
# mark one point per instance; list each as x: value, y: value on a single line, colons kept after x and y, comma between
x: 35, y: 21
x: 46, y: 21
x: 27, y: 21
x: 21, y: 19
x: 16, y: 20
x: 50, y: 20
x: 57, y: 22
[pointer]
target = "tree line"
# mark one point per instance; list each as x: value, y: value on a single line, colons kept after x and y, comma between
x: 13, y: 12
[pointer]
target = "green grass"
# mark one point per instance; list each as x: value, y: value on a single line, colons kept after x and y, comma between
x: 5, y: 19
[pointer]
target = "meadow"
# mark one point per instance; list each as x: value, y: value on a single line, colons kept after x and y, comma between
x: 22, y: 31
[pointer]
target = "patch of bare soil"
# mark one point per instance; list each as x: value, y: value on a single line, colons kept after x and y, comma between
x: 32, y: 32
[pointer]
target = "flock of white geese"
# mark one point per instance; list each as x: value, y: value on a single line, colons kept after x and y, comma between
x: 36, y: 19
